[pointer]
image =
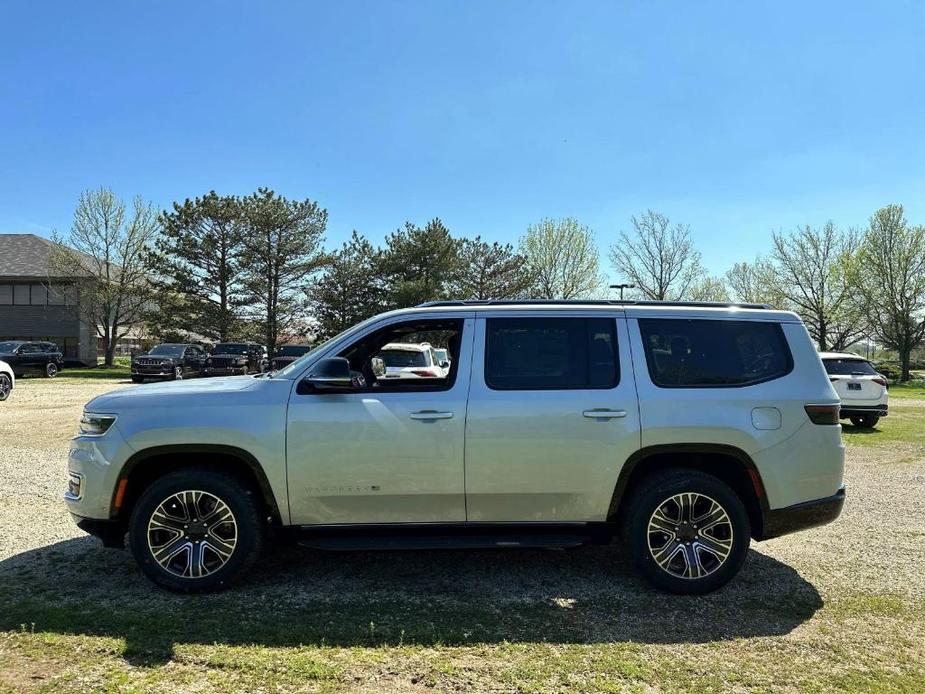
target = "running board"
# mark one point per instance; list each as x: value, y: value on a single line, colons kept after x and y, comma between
x: 406, y: 542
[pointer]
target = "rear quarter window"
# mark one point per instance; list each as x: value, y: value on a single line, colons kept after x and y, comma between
x: 701, y: 353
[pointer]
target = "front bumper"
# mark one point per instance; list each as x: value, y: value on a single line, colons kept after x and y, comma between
x: 861, y: 410
x: 111, y: 532
x: 802, y: 516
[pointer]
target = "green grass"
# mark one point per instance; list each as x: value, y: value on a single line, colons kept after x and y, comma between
x: 904, y: 424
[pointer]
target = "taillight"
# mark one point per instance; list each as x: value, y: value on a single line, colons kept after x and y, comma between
x: 424, y: 373
x: 823, y: 414
x: 879, y: 381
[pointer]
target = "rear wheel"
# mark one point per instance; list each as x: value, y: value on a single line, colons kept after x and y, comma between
x: 196, y: 530
x: 51, y: 370
x: 687, y: 531
x: 867, y: 421
x: 6, y: 386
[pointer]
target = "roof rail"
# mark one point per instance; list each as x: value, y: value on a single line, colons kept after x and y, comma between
x: 589, y: 302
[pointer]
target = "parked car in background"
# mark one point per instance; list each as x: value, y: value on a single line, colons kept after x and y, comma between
x: 235, y: 358
x: 287, y: 354
x: 411, y: 360
x: 41, y: 358
x: 862, y: 390
x: 169, y: 360
x: 7, y: 380
x: 686, y: 430
x: 443, y: 357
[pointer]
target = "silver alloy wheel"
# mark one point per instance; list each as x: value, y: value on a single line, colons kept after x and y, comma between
x: 51, y: 370
x: 690, y: 535
x: 192, y: 534
x: 178, y: 373
x: 6, y: 386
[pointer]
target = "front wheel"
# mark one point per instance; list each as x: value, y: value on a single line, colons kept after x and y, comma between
x: 867, y: 421
x: 51, y: 370
x: 178, y: 373
x: 687, y: 531
x: 6, y: 386
x: 196, y: 530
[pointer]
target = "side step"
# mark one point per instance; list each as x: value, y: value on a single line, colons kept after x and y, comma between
x: 461, y: 541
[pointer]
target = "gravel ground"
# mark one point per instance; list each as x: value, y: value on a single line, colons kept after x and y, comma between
x: 875, y: 551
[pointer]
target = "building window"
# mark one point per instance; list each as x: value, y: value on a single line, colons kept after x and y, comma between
x: 56, y: 294
x: 39, y: 295
x: 6, y: 294
x: 21, y: 294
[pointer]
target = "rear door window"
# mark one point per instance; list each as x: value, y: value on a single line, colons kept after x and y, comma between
x: 551, y: 353
x: 713, y: 353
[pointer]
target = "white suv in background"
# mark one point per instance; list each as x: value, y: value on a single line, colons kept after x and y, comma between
x: 411, y: 360
x: 687, y: 430
x: 863, y: 391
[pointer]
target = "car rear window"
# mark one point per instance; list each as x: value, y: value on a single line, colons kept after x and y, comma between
x: 551, y: 353
x: 849, y: 367
x: 401, y: 358
x: 713, y: 353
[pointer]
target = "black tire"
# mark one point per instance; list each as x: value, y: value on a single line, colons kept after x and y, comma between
x: 867, y: 421
x: 656, y: 493
x: 51, y: 370
x: 137, y: 379
x: 246, y: 518
x: 6, y: 386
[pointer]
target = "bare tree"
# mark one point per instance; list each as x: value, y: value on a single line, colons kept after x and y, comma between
x: 891, y: 271
x: 658, y: 258
x: 756, y: 283
x: 708, y: 289
x: 562, y: 257
x: 109, y: 257
x: 813, y: 267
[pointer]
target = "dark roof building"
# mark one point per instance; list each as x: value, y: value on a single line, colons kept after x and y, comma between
x: 35, y: 304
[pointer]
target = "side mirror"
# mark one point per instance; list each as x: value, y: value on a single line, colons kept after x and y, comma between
x: 330, y: 374
x: 378, y: 367
x: 444, y: 365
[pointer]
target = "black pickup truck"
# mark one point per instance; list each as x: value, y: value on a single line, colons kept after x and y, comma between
x: 42, y: 358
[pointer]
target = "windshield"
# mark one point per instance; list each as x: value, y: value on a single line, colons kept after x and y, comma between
x: 849, y: 367
x: 292, y: 351
x: 167, y: 351
x: 401, y: 358
x: 8, y: 347
x: 229, y: 349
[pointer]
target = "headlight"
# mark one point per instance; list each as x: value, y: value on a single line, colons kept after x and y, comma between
x: 209, y: 361
x: 96, y: 424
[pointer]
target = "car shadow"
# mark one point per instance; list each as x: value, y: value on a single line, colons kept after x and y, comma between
x: 296, y: 596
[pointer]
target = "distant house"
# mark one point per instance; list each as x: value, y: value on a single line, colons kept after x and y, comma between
x: 34, y: 305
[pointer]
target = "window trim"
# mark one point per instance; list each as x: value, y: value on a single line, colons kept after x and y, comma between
x: 647, y: 351
x: 448, y: 384
x: 616, y: 346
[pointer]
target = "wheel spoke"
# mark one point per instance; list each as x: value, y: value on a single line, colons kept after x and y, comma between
x: 718, y: 548
x: 662, y: 522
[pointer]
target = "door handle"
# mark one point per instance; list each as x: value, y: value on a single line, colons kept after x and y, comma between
x: 431, y: 414
x: 604, y: 413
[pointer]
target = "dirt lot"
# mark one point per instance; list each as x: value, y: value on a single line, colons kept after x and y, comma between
x: 837, y: 608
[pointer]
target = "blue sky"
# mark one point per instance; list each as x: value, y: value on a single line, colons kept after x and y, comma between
x: 735, y: 118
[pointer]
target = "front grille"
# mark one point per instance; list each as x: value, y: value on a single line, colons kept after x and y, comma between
x: 149, y: 362
x: 223, y: 362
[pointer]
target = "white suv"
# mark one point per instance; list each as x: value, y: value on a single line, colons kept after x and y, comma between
x: 411, y: 360
x: 863, y: 391
x: 686, y: 430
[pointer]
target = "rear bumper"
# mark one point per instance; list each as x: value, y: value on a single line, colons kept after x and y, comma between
x: 861, y: 410
x: 111, y: 532
x: 809, y: 514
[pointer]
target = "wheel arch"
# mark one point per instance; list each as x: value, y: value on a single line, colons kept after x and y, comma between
x: 730, y: 464
x: 147, y: 465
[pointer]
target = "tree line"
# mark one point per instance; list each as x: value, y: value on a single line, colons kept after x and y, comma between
x: 255, y: 267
